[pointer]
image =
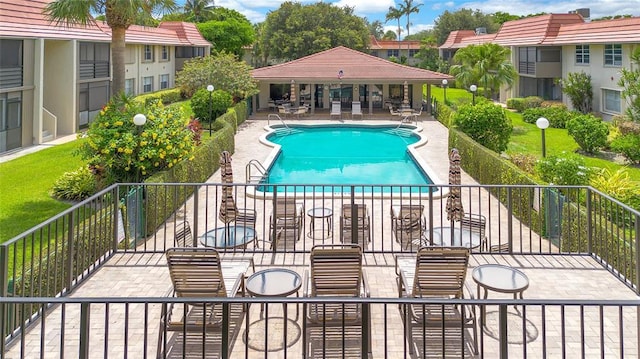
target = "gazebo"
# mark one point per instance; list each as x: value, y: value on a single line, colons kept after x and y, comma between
x: 345, y: 75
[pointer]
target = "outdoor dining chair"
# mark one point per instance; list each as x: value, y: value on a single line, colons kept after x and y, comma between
x: 409, y: 224
x: 361, y: 222
x: 477, y: 223
x: 199, y: 273
x: 183, y: 236
x: 286, y: 222
x: 435, y: 272
x: 335, y: 271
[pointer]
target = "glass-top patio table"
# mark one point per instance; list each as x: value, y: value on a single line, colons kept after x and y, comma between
x: 229, y: 237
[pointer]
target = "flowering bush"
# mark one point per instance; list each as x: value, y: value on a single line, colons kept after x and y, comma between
x: 565, y: 170
x: 118, y: 151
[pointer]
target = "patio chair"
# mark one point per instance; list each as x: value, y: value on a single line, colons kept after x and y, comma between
x: 286, y: 221
x: 302, y: 110
x: 183, y: 236
x: 335, y: 271
x: 477, y: 223
x: 336, y: 109
x: 199, y: 273
x: 435, y: 272
x: 356, y: 109
x: 409, y: 224
x: 362, y: 224
x: 284, y: 112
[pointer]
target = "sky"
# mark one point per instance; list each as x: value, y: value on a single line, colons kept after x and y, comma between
x: 256, y: 10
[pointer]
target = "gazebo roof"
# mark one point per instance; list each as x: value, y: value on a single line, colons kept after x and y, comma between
x: 356, y: 67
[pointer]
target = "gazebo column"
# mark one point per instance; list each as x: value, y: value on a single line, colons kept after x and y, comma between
x: 428, y: 98
x: 312, y: 90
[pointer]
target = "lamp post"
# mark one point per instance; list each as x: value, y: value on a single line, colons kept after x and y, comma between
x: 139, y: 120
x: 210, y: 89
x: 444, y: 88
x: 473, y: 89
x: 543, y: 124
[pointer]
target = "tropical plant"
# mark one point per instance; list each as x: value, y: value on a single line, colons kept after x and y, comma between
x: 462, y: 19
x: 407, y: 8
x: 486, y: 123
x: 619, y: 185
x: 580, y: 91
x: 557, y: 116
x: 629, y: 146
x: 120, y: 14
x: 564, y: 170
x: 75, y: 185
x: 198, y: 10
x: 589, y: 132
x: 487, y: 65
x: 390, y: 35
x: 222, y: 70
x: 119, y: 151
x: 630, y: 81
x: 229, y: 31
x: 376, y: 29
x: 394, y: 14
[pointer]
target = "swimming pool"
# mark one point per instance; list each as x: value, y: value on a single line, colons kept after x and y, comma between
x: 344, y: 155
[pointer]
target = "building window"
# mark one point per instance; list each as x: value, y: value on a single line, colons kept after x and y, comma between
x: 165, y: 53
x: 129, y: 86
x: 94, y: 60
x: 613, y: 55
x: 147, y: 53
x: 582, y: 54
x: 611, y: 101
x: 413, y: 52
x: 186, y: 52
x: 147, y: 84
x: 10, y: 63
x: 394, y: 53
x: 164, y: 81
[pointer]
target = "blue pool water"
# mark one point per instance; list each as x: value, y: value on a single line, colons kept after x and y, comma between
x: 345, y: 155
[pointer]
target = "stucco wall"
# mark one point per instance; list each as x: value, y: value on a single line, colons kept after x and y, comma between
x: 59, y: 83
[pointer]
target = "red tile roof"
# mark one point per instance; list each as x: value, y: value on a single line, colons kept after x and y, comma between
x: 355, y: 65
x: 454, y: 38
x: 146, y: 35
x: 186, y: 31
x: 376, y: 44
x: 538, y: 30
x: 605, y: 31
x: 476, y: 40
x: 24, y: 19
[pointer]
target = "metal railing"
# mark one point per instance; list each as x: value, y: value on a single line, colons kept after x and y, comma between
x: 55, y: 257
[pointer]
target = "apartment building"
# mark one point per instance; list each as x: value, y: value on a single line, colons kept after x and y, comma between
x: 54, y: 79
x: 387, y: 49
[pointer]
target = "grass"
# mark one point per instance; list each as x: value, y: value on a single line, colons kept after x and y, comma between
x: 24, y: 187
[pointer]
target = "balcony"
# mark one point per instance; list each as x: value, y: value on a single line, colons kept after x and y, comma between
x: 540, y: 69
x: 104, y: 289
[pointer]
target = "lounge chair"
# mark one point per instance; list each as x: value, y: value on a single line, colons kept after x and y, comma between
x: 435, y: 272
x: 286, y: 221
x: 409, y: 224
x: 335, y: 271
x: 336, y: 110
x: 356, y: 109
x: 362, y: 226
x: 199, y: 273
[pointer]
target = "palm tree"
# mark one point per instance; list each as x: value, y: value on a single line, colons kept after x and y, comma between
x: 487, y: 64
x: 407, y: 8
x: 120, y: 14
x: 395, y: 14
x: 198, y: 9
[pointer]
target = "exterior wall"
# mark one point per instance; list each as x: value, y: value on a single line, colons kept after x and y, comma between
x: 32, y: 53
x: 59, y: 83
x: 602, y: 77
x: 138, y: 69
x: 383, y: 54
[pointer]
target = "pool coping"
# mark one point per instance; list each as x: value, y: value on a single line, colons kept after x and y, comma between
x: 441, y: 192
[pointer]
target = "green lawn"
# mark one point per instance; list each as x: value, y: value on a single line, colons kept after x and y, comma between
x: 24, y: 188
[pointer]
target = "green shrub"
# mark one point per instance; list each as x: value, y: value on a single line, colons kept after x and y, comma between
x: 557, y: 116
x: 589, y: 132
x: 629, y: 146
x: 564, y: 169
x: 532, y: 102
x: 553, y: 104
x: 628, y: 127
x: 486, y: 123
x: 516, y: 103
x: 204, y: 106
x: 618, y: 185
x: 75, y: 185
x: 166, y: 96
x: 578, y: 88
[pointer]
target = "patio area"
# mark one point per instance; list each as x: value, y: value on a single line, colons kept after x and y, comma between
x: 542, y: 326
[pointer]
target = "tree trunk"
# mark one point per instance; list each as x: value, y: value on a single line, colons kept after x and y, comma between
x: 117, y: 57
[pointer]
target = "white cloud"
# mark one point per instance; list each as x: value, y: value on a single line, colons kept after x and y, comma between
x: 367, y: 7
x: 521, y: 7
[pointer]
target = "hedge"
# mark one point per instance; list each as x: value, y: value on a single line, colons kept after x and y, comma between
x: 166, y: 96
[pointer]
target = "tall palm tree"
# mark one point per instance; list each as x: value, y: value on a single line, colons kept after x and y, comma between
x: 198, y: 9
x: 407, y: 8
x: 395, y: 14
x: 487, y: 65
x: 120, y: 14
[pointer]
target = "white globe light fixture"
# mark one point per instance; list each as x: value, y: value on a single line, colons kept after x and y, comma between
x: 444, y: 89
x: 543, y: 124
x: 473, y: 89
x: 139, y: 119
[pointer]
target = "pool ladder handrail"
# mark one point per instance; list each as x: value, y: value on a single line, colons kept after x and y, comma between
x: 255, y: 164
x: 275, y: 115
